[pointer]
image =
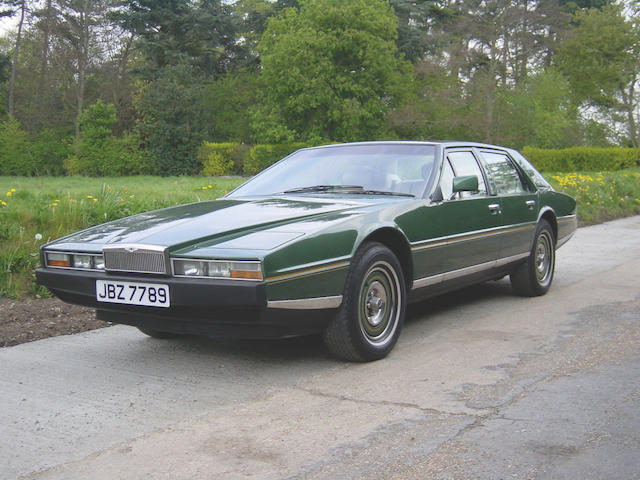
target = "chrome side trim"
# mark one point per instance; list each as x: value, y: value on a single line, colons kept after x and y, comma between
x: 463, y: 237
x: 469, y: 270
x: 442, y: 277
x: 512, y: 258
x: 317, y: 303
x: 567, y: 218
x: 323, y: 268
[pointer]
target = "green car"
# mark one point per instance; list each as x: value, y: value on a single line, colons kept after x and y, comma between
x: 332, y: 240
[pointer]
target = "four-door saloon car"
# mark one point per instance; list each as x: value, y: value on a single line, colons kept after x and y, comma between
x: 332, y: 240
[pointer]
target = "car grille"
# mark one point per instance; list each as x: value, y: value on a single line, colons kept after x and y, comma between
x: 138, y: 259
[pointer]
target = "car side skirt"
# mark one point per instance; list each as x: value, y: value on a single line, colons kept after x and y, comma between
x: 468, y: 271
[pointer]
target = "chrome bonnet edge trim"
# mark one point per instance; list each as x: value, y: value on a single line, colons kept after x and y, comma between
x: 317, y: 303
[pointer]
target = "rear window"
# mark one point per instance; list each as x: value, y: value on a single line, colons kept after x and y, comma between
x: 533, y: 174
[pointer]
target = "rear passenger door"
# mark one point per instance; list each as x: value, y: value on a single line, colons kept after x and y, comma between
x: 518, y: 200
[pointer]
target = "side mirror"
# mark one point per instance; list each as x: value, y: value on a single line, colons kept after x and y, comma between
x: 468, y: 183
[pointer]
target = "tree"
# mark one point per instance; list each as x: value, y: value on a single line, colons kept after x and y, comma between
x: 330, y: 71
x: 601, y: 58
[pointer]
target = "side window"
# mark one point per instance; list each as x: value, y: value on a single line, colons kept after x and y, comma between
x: 464, y: 163
x: 504, y: 174
x: 446, y: 181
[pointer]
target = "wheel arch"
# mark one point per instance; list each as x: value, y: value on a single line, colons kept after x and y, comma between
x: 550, y: 216
x: 395, y: 241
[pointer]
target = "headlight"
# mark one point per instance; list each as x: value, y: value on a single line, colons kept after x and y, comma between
x: 81, y: 261
x: 58, y: 259
x: 246, y: 270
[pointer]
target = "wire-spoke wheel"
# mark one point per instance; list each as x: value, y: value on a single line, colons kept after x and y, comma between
x: 370, y: 318
x: 534, y: 276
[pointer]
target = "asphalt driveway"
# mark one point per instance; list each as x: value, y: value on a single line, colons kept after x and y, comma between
x: 482, y: 384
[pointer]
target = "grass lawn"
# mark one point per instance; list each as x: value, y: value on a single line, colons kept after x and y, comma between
x: 36, y: 210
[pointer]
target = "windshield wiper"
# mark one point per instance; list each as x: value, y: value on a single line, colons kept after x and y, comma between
x: 384, y: 192
x: 325, y: 188
x: 358, y: 189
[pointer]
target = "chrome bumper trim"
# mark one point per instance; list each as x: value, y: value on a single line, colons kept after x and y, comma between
x: 317, y: 303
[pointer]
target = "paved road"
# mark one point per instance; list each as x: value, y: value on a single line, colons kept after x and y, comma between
x: 483, y: 384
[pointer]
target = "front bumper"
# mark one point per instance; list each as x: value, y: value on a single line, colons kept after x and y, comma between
x: 224, y: 308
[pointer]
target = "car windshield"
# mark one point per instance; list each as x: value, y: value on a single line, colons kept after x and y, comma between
x: 352, y: 169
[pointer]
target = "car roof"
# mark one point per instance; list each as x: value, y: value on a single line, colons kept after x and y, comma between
x: 441, y: 143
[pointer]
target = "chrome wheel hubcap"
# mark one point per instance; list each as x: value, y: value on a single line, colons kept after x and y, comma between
x: 543, y: 258
x: 379, y: 308
x: 375, y: 304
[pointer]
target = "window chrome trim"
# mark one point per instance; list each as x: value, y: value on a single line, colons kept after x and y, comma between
x: 316, y: 303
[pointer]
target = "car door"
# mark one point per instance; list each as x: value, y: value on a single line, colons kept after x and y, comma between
x: 519, y: 204
x: 470, y: 220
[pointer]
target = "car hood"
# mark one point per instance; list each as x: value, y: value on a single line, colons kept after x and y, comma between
x: 211, y: 222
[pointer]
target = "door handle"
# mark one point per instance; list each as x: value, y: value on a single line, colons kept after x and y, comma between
x: 494, y: 208
x: 530, y: 203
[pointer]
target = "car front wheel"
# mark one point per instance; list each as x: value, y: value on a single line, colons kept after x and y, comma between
x: 370, y: 318
x: 534, y: 277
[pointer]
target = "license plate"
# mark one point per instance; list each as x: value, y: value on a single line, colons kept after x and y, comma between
x: 133, y: 293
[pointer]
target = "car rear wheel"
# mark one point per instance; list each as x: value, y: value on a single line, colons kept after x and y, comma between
x: 158, y: 333
x: 534, y: 277
x: 368, y: 323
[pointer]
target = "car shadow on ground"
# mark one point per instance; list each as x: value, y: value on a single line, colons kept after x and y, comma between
x: 311, y: 348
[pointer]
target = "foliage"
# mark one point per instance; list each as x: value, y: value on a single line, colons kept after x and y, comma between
x: 601, y: 58
x: 330, y: 71
x: 231, y: 99
x: 173, y: 120
x: 50, y: 148
x: 582, y: 159
x: 221, y: 158
x: 539, y: 112
x: 16, y: 157
x: 98, y: 152
x: 36, y: 210
x: 603, y: 195
x: 262, y: 156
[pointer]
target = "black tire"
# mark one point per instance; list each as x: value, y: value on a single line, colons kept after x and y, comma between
x: 158, y: 334
x: 368, y: 323
x: 533, y: 278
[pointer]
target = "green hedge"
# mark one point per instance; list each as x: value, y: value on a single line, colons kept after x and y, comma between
x: 262, y: 156
x: 222, y: 158
x: 578, y: 159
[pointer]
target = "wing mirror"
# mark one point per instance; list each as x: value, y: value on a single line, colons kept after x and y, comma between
x: 468, y: 183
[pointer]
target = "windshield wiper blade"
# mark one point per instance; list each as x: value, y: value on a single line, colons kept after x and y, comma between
x: 385, y: 192
x: 324, y: 188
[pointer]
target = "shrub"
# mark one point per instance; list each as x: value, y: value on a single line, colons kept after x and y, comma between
x: 99, y: 153
x: 50, y: 148
x: 263, y: 156
x: 582, y: 159
x: 221, y: 158
x: 15, y: 149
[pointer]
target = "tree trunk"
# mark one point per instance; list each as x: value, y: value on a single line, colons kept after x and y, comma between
x: 83, y: 56
x: 16, y: 52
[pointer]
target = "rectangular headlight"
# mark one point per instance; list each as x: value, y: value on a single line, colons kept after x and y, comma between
x: 245, y: 270
x: 58, y: 259
x: 82, y: 261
